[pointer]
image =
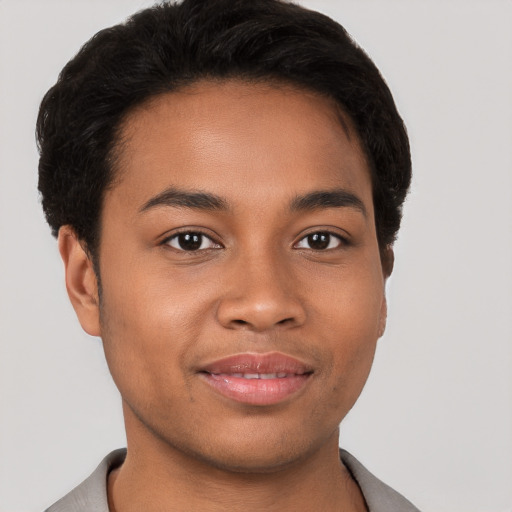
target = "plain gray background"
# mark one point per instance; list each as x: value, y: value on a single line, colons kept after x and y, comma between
x: 435, y: 419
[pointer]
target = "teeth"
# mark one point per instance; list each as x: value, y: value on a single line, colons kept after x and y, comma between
x: 279, y: 375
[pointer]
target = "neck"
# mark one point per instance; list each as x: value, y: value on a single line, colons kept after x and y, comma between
x: 156, y: 476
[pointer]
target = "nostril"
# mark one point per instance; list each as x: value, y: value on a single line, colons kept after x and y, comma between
x: 259, y: 313
x: 238, y: 323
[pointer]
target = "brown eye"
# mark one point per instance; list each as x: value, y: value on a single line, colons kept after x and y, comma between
x: 191, y: 241
x: 320, y: 241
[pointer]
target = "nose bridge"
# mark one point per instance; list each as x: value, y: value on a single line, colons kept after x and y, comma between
x: 261, y: 293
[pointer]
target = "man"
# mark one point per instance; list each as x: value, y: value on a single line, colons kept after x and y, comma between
x: 225, y: 179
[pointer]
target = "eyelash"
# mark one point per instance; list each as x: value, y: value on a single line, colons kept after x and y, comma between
x: 194, y: 233
x: 200, y: 237
x: 342, y: 241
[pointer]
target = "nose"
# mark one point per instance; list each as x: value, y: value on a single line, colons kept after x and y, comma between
x: 261, y: 296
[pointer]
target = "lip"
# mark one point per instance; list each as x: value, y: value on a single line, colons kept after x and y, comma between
x: 257, y: 379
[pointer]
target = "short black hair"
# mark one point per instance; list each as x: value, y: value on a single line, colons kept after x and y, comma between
x: 174, y: 44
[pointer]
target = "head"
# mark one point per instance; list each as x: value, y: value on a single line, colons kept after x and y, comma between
x: 195, y: 161
x: 170, y: 46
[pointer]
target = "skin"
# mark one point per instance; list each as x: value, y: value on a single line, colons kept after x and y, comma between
x: 256, y: 285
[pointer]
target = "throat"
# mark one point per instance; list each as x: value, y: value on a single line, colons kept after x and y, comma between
x: 128, y: 491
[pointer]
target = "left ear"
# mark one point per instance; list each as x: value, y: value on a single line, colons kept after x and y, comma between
x: 387, y: 258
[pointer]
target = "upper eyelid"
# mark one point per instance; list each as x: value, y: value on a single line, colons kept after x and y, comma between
x: 200, y: 231
x: 166, y: 243
x: 341, y: 238
x: 344, y: 237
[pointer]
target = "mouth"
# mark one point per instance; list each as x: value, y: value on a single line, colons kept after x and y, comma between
x: 257, y: 379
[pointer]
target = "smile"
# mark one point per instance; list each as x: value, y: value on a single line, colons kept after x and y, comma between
x: 257, y: 379
x: 279, y: 375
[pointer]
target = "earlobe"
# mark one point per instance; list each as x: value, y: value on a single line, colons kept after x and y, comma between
x: 383, y: 317
x: 81, y: 282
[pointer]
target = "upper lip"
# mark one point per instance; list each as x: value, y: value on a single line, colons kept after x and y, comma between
x: 271, y: 362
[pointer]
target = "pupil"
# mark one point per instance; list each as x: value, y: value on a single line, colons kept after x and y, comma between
x: 189, y: 241
x: 319, y: 241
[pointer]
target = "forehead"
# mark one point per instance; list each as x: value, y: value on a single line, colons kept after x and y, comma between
x: 255, y: 139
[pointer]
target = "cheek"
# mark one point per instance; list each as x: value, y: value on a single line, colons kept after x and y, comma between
x: 152, y: 299
x: 149, y: 326
x: 350, y: 319
x: 351, y: 303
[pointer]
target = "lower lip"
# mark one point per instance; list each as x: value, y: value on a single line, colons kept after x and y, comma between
x: 256, y: 391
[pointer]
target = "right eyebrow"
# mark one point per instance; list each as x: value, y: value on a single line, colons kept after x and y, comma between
x: 194, y: 200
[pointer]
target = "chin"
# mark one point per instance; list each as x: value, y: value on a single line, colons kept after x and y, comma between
x: 263, y: 454
x: 235, y: 461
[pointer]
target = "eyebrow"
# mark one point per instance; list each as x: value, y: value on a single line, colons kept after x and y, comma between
x: 321, y: 199
x: 185, y: 199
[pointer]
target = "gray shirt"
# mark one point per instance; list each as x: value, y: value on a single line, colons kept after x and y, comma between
x: 91, y: 494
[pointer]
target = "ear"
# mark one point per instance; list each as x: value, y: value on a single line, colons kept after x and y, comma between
x: 81, y: 282
x: 387, y: 258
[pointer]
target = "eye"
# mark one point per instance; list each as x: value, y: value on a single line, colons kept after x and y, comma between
x: 191, y: 241
x: 320, y: 241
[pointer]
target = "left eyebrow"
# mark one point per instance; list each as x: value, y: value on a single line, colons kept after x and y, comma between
x: 322, y: 199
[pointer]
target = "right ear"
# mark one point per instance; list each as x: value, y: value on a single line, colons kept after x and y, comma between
x: 81, y: 282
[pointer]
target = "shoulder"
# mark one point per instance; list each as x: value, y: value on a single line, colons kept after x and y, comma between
x: 379, y: 496
x: 91, y: 494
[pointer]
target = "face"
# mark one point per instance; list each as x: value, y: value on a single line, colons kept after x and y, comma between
x: 242, y: 285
